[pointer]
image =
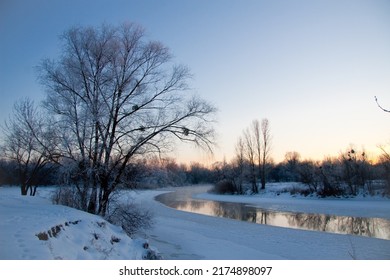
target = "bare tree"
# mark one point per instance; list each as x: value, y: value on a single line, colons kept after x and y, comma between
x: 250, y: 152
x: 292, y: 164
x: 266, y: 149
x: 21, y: 144
x: 115, y: 95
x: 256, y: 130
x: 239, y: 165
x: 355, y: 169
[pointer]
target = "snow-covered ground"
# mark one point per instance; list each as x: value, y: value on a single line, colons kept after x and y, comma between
x: 181, y: 235
x: 32, y: 228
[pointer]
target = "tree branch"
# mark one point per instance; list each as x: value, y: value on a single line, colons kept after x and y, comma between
x: 383, y: 109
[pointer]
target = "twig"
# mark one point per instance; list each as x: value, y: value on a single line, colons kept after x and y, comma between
x: 385, y: 110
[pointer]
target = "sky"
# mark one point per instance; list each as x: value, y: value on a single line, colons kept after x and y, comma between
x: 312, y: 68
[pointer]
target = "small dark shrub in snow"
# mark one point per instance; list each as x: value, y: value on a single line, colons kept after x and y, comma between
x: 224, y: 187
x: 330, y: 191
x: 130, y: 217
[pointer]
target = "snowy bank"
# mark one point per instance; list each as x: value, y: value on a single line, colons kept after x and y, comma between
x: 33, y: 228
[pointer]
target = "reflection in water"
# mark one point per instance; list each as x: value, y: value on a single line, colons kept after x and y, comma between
x: 370, y: 227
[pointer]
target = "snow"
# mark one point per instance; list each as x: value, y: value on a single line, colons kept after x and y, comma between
x: 180, y: 235
x: 65, y: 233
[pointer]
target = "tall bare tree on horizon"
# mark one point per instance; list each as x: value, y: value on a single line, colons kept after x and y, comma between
x: 250, y: 154
x: 266, y: 149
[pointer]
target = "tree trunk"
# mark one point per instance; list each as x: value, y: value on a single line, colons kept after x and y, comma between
x: 92, y: 201
x: 104, y: 196
x: 254, y: 185
x: 23, y: 189
x: 263, y: 178
x: 103, y: 205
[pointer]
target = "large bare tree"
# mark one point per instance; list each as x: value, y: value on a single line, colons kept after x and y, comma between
x: 113, y: 95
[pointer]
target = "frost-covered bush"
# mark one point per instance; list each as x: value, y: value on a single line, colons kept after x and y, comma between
x: 67, y: 196
x: 130, y: 216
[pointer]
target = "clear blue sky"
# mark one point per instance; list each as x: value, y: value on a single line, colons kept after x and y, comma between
x: 311, y: 67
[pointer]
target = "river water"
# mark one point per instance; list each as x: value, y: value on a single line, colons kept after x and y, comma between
x: 182, y: 199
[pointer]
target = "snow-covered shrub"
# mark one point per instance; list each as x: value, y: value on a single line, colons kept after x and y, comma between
x: 66, y: 196
x: 130, y: 216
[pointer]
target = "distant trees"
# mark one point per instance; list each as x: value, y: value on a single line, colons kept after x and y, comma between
x: 347, y: 174
x: 251, y: 161
x: 27, y: 137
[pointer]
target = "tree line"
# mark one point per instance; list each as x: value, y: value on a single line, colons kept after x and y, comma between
x: 350, y: 173
x: 144, y: 173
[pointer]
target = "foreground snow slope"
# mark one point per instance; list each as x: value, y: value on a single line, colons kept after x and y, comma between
x: 33, y: 228
x: 182, y: 235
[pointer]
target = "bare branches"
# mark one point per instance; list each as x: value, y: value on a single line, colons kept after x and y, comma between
x: 383, y: 109
x: 25, y: 142
x: 254, y: 147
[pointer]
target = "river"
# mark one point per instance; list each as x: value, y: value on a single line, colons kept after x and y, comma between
x: 183, y: 199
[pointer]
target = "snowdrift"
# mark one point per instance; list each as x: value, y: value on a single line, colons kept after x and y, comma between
x: 33, y: 228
